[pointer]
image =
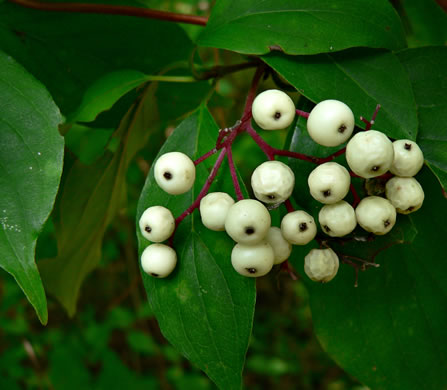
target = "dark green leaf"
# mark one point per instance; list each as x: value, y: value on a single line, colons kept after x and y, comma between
x: 87, y: 143
x: 362, y: 79
x: 91, y: 197
x: 205, y: 308
x: 390, y: 331
x: 426, y: 67
x: 302, y: 27
x: 31, y: 153
x: 93, y: 194
x: 69, y: 52
x: 424, y: 21
x: 106, y: 91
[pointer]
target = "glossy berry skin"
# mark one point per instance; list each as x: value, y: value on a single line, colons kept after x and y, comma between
x: 329, y: 182
x: 157, y: 224
x: 321, y: 265
x: 273, y: 110
x: 252, y: 260
x: 272, y: 182
x: 408, y: 158
x: 338, y: 219
x: 330, y: 123
x: 158, y: 260
x: 298, y: 227
x: 369, y: 154
x: 248, y: 222
x: 281, y: 247
x: 405, y: 194
x: 376, y: 215
x: 214, y: 210
x: 175, y: 173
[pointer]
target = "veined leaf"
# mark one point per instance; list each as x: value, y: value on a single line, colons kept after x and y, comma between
x: 69, y: 52
x: 205, y: 309
x: 426, y: 67
x: 302, y: 26
x: 31, y: 156
x: 361, y: 78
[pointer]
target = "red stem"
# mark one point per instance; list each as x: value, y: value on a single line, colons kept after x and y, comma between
x: 265, y: 147
x: 113, y: 10
x: 322, y: 160
x: 204, y: 189
x: 252, y: 94
x: 233, y: 173
x: 289, y: 206
x: 370, y: 123
x: 304, y: 114
x: 205, y: 156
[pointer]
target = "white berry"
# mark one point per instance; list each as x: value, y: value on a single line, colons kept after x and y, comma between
x: 337, y: 219
x: 408, y: 158
x: 248, y: 221
x: 405, y: 194
x: 298, y: 227
x: 175, y: 173
x: 321, y: 265
x: 376, y: 215
x: 281, y: 247
x: 272, y: 182
x: 369, y: 153
x: 252, y: 260
x: 158, y: 260
x: 329, y: 182
x: 330, y: 123
x: 273, y: 110
x: 157, y: 224
x: 214, y: 209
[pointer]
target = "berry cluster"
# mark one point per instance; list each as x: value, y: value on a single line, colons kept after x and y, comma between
x: 259, y: 246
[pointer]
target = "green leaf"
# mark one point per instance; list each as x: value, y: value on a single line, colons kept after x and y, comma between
x: 87, y: 143
x: 362, y: 79
x: 426, y: 68
x: 69, y: 52
x: 205, y: 309
x: 106, y: 91
x: 302, y: 27
x: 390, y: 331
x: 424, y: 21
x: 92, y: 194
x: 31, y: 153
x: 91, y: 197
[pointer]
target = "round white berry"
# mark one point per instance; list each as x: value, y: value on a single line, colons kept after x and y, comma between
x: 369, y: 153
x: 329, y: 182
x: 321, y: 265
x: 214, y: 209
x: 330, y: 123
x: 376, y: 215
x: 281, y: 247
x: 252, y: 260
x: 298, y: 227
x: 337, y: 219
x: 272, y: 182
x: 248, y: 221
x: 158, y: 260
x: 408, y: 158
x: 157, y: 224
x: 405, y: 194
x: 175, y: 173
x: 273, y: 110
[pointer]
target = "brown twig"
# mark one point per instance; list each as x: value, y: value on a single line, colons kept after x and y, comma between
x: 113, y: 10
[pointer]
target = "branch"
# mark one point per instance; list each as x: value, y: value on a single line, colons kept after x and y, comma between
x: 113, y: 10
